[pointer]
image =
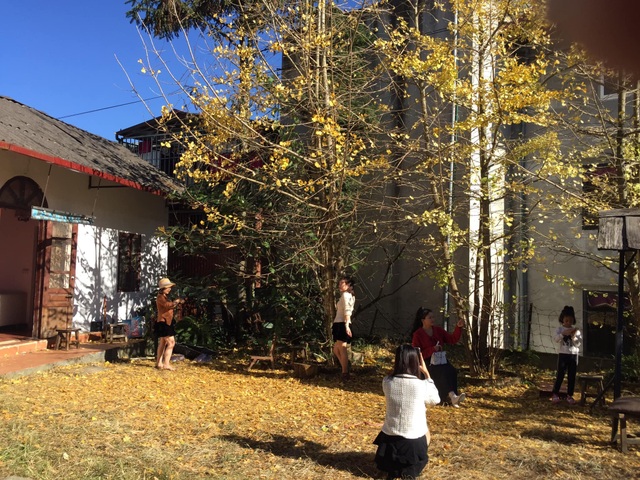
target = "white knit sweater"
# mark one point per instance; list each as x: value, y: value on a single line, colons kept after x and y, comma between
x: 407, y: 397
x: 344, y: 307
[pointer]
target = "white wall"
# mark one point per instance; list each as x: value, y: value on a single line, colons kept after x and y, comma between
x: 97, y: 273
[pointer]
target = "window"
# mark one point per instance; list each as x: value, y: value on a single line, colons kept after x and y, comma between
x: 129, y: 249
x: 608, y: 88
x: 600, y: 323
x: 598, y: 186
x: 61, y: 254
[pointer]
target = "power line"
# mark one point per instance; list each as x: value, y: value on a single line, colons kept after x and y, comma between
x: 110, y: 107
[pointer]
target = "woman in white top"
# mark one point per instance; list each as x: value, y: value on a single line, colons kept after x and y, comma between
x: 341, y: 329
x: 404, y: 439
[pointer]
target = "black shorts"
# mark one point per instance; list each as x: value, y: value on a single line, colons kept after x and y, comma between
x: 164, y: 330
x: 339, y: 332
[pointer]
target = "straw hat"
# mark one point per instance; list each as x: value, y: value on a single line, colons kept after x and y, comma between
x: 164, y: 283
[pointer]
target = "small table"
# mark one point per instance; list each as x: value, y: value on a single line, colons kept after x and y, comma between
x: 64, y: 335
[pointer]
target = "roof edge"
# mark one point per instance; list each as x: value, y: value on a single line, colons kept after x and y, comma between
x: 61, y: 162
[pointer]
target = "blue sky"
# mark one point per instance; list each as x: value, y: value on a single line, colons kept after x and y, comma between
x: 60, y: 57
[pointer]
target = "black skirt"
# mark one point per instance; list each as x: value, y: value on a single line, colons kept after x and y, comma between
x: 339, y: 332
x: 401, y: 457
x: 164, y: 330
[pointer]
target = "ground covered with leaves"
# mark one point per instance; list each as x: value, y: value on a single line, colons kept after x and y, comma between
x: 131, y: 421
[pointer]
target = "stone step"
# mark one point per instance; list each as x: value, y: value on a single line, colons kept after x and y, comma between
x: 15, y: 347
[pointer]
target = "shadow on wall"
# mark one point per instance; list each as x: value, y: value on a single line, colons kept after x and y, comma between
x: 97, y: 277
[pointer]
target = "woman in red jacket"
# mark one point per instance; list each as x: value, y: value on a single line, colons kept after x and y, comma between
x: 431, y: 338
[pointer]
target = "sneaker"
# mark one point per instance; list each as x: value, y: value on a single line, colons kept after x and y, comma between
x: 456, y: 400
x: 570, y: 400
x: 555, y: 398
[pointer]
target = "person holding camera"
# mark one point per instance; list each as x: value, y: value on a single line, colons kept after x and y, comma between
x: 404, y: 440
x: 164, y: 325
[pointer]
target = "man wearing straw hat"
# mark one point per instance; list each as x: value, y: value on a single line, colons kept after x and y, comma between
x: 165, y: 326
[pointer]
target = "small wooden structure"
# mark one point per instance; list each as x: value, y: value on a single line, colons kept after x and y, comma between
x: 621, y: 409
x: 65, y: 335
x: 298, y: 351
x: 270, y: 357
x: 588, y: 383
x: 115, y: 331
x: 112, y: 331
x: 305, y: 370
x: 619, y: 230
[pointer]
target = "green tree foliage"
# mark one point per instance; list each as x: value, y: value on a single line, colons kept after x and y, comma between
x: 166, y: 19
x: 285, y: 164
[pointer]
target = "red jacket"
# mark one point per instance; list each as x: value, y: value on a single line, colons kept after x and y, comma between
x: 427, y: 343
x: 165, y: 308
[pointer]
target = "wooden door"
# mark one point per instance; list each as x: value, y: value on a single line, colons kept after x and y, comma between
x: 55, y: 277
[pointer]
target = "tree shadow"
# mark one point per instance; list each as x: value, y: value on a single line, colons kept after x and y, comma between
x: 358, y: 464
x: 547, y: 435
x: 364, y: 380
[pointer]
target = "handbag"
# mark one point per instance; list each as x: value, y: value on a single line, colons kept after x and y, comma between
x: 439, y: 358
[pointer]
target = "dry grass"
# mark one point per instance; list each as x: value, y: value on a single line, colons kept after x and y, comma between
x: 130, y: 421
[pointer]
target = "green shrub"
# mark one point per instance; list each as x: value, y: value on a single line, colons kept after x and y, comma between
x: 631, y: 368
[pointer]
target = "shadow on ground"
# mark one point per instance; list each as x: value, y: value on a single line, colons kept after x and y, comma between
x: 359, y: 464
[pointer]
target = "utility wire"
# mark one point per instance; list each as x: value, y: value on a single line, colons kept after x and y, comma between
x: 110, y: 107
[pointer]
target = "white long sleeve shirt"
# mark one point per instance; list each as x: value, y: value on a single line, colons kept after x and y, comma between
x: 407, y: 397
x: 569, y: 344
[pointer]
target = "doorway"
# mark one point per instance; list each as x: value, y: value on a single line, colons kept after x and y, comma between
x: 17, y: 273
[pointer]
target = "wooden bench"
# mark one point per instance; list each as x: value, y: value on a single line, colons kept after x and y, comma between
x: 621, y: 409
x: 64, y: 335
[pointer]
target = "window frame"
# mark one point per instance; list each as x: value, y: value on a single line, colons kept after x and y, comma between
x: 129, y: 262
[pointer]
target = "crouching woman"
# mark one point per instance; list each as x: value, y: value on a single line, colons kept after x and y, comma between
x: 404, y: 439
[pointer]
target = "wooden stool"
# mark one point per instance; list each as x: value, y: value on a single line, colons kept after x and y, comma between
x: 621, y: 409
x: 271, y: 357
x: 64, y: 335
x: 298, y: 351
x: 591, y: 380
x: 116, y: 331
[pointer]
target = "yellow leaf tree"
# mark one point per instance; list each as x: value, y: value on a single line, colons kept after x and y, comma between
x: 476, y: 84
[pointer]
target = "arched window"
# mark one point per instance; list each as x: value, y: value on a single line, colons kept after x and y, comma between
x: 20, y: 194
